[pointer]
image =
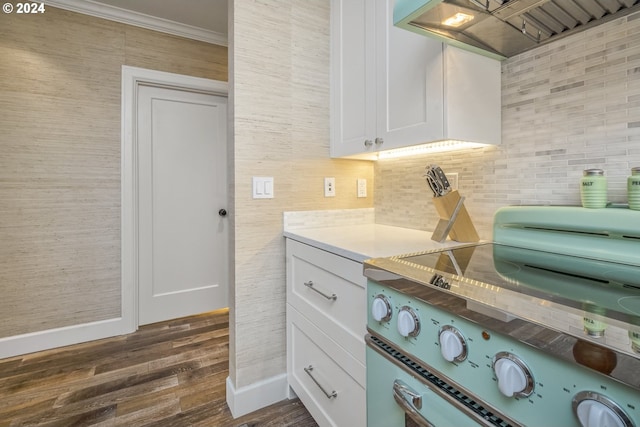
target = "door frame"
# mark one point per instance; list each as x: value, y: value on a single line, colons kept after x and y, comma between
x: 132, y: 79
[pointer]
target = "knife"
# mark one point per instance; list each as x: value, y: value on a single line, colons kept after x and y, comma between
x: 432, y: 184
x: 442, y: 179
x: 437, y: 180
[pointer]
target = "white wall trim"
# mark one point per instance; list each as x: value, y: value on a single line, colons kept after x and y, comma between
x: 58, y: 337
x: 137, y: 19
x: 132, y: 78
x: 256, y: 396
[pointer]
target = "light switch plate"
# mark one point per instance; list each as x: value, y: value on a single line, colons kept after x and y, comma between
x: 263, y: 187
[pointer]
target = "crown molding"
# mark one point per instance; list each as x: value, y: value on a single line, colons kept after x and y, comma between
x: 104, y: 11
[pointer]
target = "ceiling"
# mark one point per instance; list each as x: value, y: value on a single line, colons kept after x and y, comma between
x: 204, y: 20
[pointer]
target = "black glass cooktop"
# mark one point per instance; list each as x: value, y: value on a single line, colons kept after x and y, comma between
x: 607, y: 288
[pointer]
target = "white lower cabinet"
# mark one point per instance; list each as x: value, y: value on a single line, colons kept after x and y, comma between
x: 326, y: 323
x: 329, y: 381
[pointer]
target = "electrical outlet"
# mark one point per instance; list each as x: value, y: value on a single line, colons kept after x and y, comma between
x: 329, y: 187
x: 362, y: 187
x: 453, y: 180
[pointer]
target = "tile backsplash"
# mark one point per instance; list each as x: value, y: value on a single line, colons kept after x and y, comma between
x: 567, y: 106
x: 327, y: 218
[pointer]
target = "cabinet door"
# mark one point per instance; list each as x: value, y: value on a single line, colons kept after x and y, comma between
x: 333, y: 370
x: 473, y: 104
x: 409, y: 83
x: 353, y: 103
x: 342, y: 318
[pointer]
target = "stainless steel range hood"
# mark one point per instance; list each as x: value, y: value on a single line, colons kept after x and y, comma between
x: 504, y: 28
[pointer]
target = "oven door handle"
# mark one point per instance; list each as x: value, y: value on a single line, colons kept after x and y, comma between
x: 410, y: 401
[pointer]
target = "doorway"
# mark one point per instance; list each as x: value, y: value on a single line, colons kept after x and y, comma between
x: 175, y: 233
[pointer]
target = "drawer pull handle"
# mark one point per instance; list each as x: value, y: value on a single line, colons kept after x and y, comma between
x: 309, y: 285
x: 329, y: 395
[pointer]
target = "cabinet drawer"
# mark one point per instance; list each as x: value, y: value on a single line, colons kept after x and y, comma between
x: 330, y: 291
x: 333, y: 370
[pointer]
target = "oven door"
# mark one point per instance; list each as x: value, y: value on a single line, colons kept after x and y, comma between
x: 396, y: 398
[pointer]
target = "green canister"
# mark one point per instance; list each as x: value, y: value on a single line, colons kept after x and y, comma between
x: 633, y: 189
x: 593, y: 327
x: 593, y: 189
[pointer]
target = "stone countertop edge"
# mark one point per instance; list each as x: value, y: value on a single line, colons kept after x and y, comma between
x: 365, y: 241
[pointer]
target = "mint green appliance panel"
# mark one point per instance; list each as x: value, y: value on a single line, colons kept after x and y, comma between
x: 382, y: 409
x: 610, y: 234
x: 405, y: 11
x: 555, y: 381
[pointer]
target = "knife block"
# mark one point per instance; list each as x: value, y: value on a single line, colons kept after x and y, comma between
x: 454, y: 219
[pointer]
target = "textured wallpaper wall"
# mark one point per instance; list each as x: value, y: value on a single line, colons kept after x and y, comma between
x: 60, y: 83
x: 567, y: 106
x: 279, y: 87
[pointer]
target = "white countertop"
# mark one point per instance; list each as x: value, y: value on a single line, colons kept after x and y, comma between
x: 361, y: 242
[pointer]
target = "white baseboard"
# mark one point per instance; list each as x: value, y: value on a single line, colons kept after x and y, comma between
x: 60, y: 337
x: 291, y: 394
x: 256, y: 396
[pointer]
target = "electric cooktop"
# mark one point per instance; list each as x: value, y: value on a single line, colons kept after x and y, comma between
x: 570, y: 270
x: 601, y: 287
x: 557, y: 291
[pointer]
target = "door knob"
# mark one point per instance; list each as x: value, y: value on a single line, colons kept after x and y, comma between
x: 222, y: 212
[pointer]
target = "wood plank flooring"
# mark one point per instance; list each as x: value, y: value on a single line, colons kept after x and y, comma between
x: 167, y: 374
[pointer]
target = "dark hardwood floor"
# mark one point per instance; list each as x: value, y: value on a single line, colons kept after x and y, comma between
x: 166, y: 374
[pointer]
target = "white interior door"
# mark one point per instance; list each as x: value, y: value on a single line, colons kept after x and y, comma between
x: 182, y: 238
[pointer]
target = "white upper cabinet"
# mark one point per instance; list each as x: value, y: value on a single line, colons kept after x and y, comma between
x: 392, y: 88
x: 409, y: 89
x: 353, y: 77
x: 472, y: 97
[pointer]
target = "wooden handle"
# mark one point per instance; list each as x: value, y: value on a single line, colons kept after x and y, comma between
x: 463, y: 229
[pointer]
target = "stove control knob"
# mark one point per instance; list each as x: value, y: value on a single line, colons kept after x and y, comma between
x: 408, y: 322
x: 594, y: 409
x: 453, y: 346
x: 514, y: 376
x: 381, y: 309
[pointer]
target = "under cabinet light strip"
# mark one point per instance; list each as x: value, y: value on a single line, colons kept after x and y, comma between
x: 433, y: 147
